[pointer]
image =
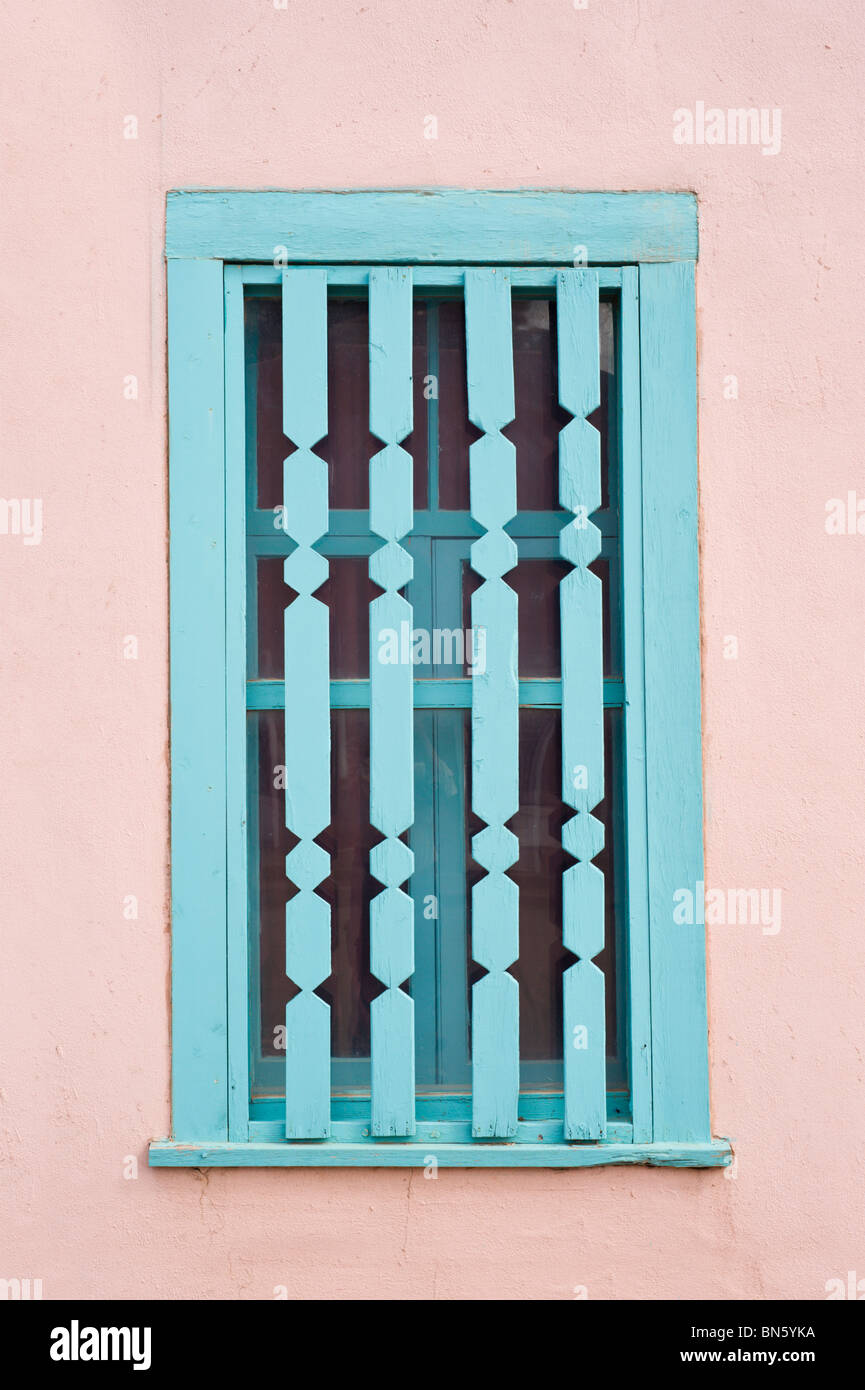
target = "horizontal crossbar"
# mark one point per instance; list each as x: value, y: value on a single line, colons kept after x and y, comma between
x: 435, y: 278
x: 454, y: 693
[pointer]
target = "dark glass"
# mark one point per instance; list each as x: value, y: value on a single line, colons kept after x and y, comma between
x: 455, y: 431
x: 539, y: 614
x: 540, y: 641
x: 538, y: 873
x: 607, y: 571
x: 347, y: 592
x: 604, y: 418
x: 263, y: 334
x: 538, y: 417
x: 612, y: 812
x: 274, y: 889
x: 417, y: 443
x: 348, y: 445
x: 348, y: 888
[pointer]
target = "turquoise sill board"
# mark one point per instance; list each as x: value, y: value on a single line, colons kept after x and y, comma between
x: 379, y: 1153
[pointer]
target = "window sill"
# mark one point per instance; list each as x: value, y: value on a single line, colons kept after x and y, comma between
x: 166, y: 1153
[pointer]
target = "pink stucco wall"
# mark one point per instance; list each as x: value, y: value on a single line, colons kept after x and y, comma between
x: 242, y: 94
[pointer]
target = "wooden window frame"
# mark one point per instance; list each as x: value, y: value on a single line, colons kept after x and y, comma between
x: 644, y: 247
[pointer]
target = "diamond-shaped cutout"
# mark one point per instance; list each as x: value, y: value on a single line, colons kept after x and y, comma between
x: 580, y: 544
x: 391, y: 567
x: 307, y: 864
x: 305, y: 570
x: 391, y: 862
x: 496, y: 848
x: 583, y: 836
x: 494, y: 554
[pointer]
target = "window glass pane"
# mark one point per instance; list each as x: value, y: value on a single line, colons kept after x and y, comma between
x: 538, y: 872
x: 444, y: 824
x: 540, y: 641
x: 604, y: 418
x: 536, y: 582
x: 444, y: 874
x: 455, y: 433
x: 347, y: 592
x: 348, y: 888
x: 348, y: 445
x: 267, y: 850
x: 263, y: 334
x: 606, y: 567
x: 438, y: 888
x: 273, y: 596
x: 538, y: 416
x: 417, y: 443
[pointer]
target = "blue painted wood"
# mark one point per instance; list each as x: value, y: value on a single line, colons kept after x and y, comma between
x: 455, y: 226
x: 453, y: 693
x: 435, y: 1107
x: 668, y: 373
x: 580, y: 595
x: 199, y: 1086
x: 357, y: 1130
x: 432, y: 277
x: 391, y: 710
x: 634, y: 831
x: 235, y: 710
x: 438, y: 1106
x: 495, y: 708
x: 307, y: 703
x: 444, y: 524
x: 163, y: 1154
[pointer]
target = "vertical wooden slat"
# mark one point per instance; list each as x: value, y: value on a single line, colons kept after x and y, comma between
x: 580, y: 598
x: 631, y: 532
x: 391, y: 733
x: 235, y: 709
x: 674, y: 794
x: 199, y: 1063
x: 495, y: 711
x: 307, y: 703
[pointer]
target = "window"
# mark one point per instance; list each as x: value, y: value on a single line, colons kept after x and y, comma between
x: 435, y: 681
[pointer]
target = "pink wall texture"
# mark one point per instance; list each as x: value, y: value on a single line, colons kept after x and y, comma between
x: 251, y: 94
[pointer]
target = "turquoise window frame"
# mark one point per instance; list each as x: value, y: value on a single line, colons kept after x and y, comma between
x: 645, y: 249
